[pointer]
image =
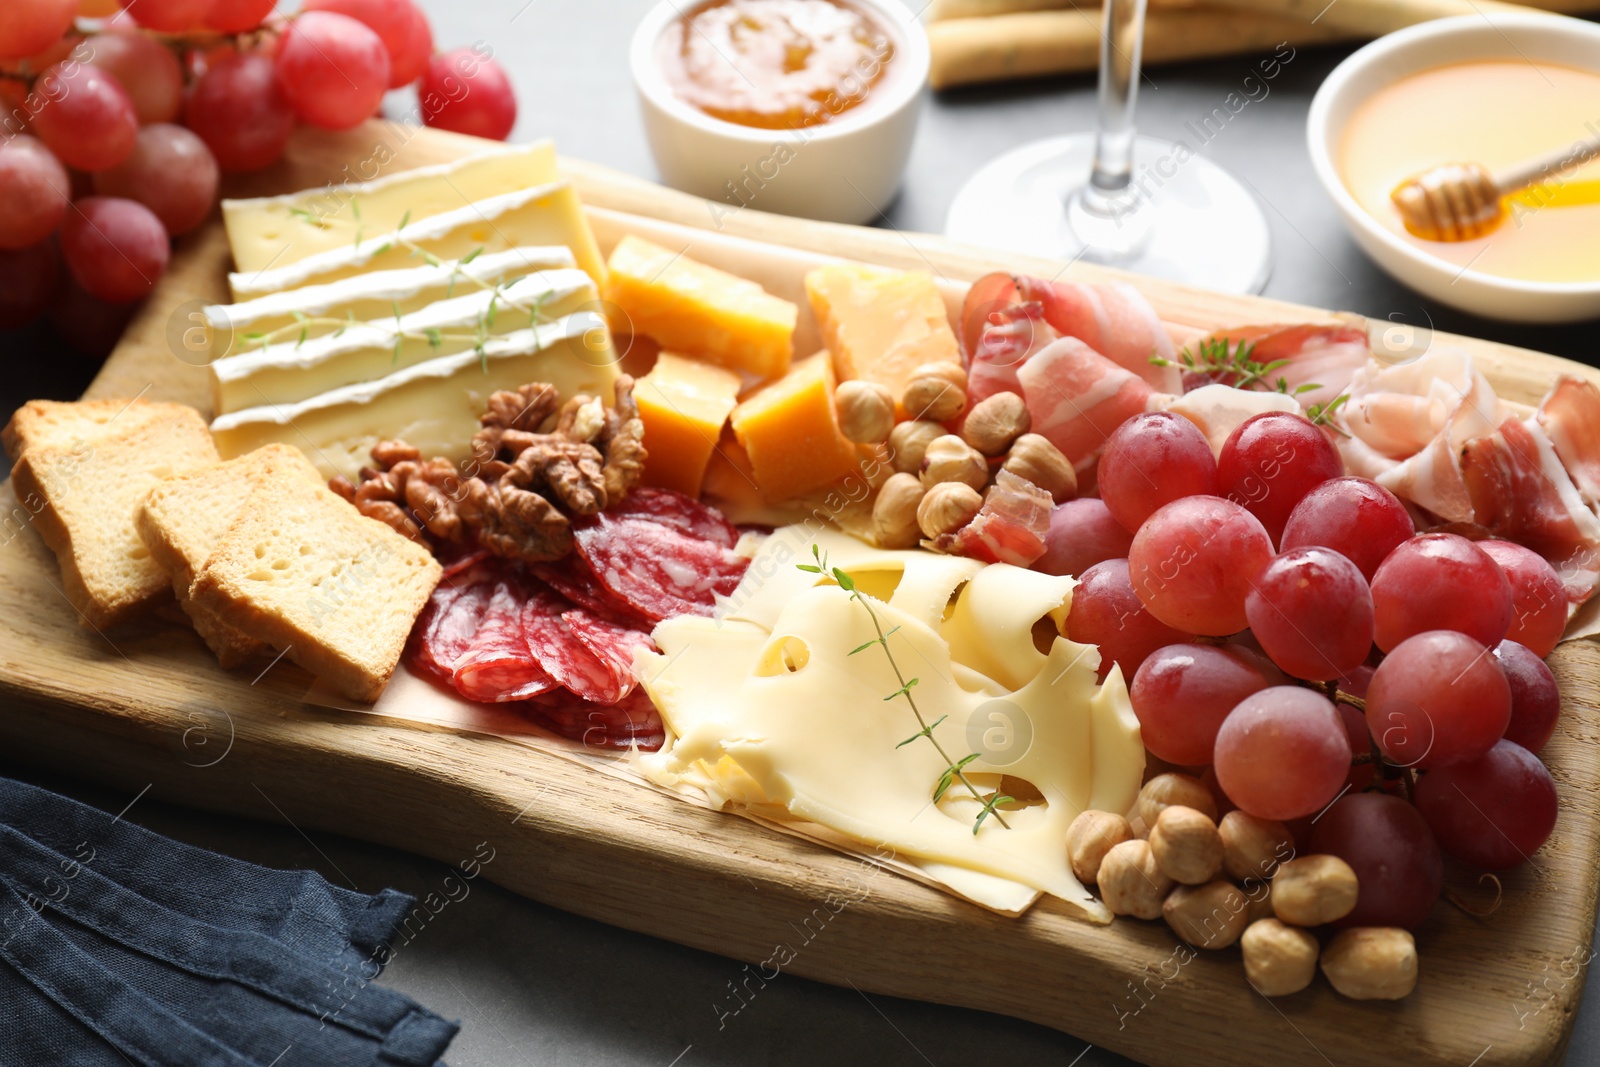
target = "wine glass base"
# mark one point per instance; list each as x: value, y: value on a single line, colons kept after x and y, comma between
x: 1194, y: 222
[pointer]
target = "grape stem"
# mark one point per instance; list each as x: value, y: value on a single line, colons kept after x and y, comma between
x: 1473, y: 910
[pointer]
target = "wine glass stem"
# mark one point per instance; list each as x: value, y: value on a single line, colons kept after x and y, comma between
x: 1121, y: 42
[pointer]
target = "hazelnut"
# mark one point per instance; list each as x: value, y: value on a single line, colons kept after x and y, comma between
x: 909, y: 441
x: 1165, y: 790
x: 1313, y: 890
x: 1186, y: 845
x: 1252, y: 847
x: 936, y: 391
x: 947, y: 507
x: 894, y: 512
x: 1207, y: 916
x: 1033, y: 458
x: 1130, y: 882
x: 1091, y: 835
x: 1278, y: 959
x: 995, y: 422
x: 866, y: 411
x: 1372, y: 962
x: 950, y: 459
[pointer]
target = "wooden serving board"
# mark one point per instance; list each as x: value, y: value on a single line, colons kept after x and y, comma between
x: 148, y: 704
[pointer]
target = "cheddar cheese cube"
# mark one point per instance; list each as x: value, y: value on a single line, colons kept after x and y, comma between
x: 684, y: 405
x: 698, y: 310
x: 790, y: 430
x: 881, y: 324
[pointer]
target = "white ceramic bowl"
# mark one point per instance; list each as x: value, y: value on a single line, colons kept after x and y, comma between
x: 845, y: 170
x: 1550, y: 38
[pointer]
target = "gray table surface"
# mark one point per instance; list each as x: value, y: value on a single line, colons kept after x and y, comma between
x: 535, y: 986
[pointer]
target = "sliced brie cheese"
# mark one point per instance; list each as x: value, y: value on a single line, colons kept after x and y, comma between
x: 323, y: 309
x: 280, y: 230
x: 291, y: 371
x: 433, y: 405
x: 547, y: 214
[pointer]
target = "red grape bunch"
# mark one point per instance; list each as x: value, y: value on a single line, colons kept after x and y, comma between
x: 1293, y: 640
x: 119, y: 117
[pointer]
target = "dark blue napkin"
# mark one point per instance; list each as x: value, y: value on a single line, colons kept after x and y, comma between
x: 118, y: 946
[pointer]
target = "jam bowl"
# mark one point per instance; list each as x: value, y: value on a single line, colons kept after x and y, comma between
x: 844, y: 169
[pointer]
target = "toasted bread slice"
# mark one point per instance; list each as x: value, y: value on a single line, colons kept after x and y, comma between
x: 185, y: 516
x: 61, y: 422
x: 89, y: 489
x: 333, y: 590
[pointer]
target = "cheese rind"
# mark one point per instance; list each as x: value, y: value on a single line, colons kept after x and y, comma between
x: 790, y: 430
x: 292, y: 370
x: 698, y: 310
x: 684, y: 405
x: 366, y: 297
x: 280, y: 230
x: 546, y: 214
x: 880, y: 324
x: 433, y: 405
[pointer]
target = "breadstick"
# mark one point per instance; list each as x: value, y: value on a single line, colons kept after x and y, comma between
x: 1031, y: 44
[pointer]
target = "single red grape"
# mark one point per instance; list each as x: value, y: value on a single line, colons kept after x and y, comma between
x: 1538, y: 599
x: 145, y: 68
x: 411, y: 62
x: 1493, y: 812
x: 1399, y: 871
x: 1182, y: 694
x: 237, y: 16
x: 1105, y: 611
x: 171, y: 172
x: 332, y: 69
x: 116, y: 249
x: 1082, y: 533
x: 33, y: 192
x: 1271, y: 461
x: 1312, y: 612
x: 1535, y: 697
x: 465, y: 92
x: 1440, y: 581
x: 87, y: 119
x: 168, y: 16
x: 240, y: 113
x: 1439, y: 698
x: 391, y: 20
x: 1193, y: 561
x: 1360, y: 520
x: 28, y: 27
x: 1282, y: 753
x: 1151, y: 460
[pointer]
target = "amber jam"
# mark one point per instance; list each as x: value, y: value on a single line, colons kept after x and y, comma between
x: 775, y: 64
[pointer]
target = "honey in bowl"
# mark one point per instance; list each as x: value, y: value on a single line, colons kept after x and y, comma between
x: 775, y: 64
x: 1497, y: 113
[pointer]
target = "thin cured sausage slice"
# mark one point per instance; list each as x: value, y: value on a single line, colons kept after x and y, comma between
x: 572, y: 578
x: 498, y: 666
x: 447, y: 626
x: 657, y: 570
x: 562, y: 654
x: 682, y: 513
x: 611, y: 643
x: 632, y: 723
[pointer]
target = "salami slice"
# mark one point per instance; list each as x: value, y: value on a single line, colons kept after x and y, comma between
x: 658, y: 570
x: 550, y: 639
x: 682, y: 513
x: 446, y: 627
x: 454, y: 565
x: 498, y: 666
x: 611, y: 643
x: 634, y: 722
x: 572, y: 578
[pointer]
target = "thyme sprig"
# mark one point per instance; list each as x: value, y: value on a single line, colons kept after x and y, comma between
x: 1322, y: 414
x: 1234, y: 365
x: 955, y: 770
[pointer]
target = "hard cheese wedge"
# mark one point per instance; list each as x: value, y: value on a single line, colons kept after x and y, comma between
x: 684, y: 405
x: 546, y: 214
x: 790, y: 430
x: 279, y: 230
x: 881, y: 324
x: 292, y: 371
x: 318, y: 310
x: 698, y: 310
x: 433, y: 405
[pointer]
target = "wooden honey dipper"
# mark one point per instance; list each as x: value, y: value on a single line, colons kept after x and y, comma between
x: 1461, y: 201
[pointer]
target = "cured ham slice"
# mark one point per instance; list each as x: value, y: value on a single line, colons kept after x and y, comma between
x: 1522, y: 493
x: 1570, y: 418
x: 1012, y: 337
x: 1077, y: 397
x: 1010, y: 527
x: 497, y: 665
x: 1323, y: 355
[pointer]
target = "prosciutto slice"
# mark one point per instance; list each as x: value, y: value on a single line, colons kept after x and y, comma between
x: 1077, y: 397
x: 1326, y: 355
x: 1570, y: 418
x: 1011, y: 337
x: 1011, y: 526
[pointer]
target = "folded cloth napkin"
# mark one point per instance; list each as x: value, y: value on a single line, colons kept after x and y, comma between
x: 119, y: 946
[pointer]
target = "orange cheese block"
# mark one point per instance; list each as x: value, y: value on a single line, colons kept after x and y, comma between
x: 791, y: 431
x: 698, y: 310
x: 881, y: 324
x: 684, y: 405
